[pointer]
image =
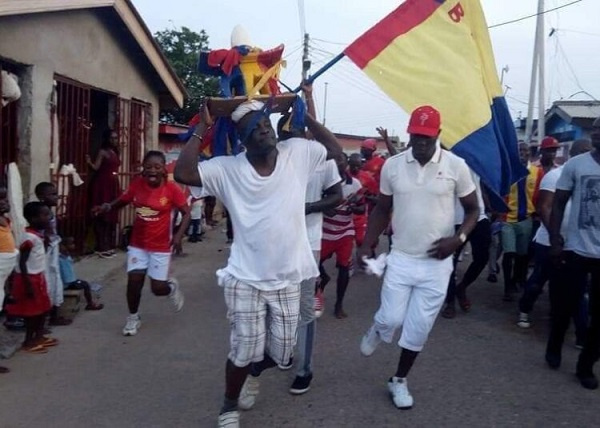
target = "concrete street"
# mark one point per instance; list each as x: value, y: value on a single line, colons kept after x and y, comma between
x: 477, y: 370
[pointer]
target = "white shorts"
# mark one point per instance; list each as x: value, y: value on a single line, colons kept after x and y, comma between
x: 155, y: 264
x: 412, y: 295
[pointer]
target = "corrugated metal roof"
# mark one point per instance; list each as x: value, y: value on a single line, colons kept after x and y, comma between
x: 580, y: 109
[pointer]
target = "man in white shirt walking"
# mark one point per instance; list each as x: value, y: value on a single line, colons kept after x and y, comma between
x: 264, y: 190
x: 421, y: 186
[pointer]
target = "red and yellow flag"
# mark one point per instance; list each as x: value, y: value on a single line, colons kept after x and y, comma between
x: 439, y: 53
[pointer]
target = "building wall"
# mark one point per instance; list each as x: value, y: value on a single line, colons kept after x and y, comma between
x: 77, y: 45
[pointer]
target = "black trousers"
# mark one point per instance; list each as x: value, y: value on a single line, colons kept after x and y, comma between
x: 480, y: 239
x: 567, y: 287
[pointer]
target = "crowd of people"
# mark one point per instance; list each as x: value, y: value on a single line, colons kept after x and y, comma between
x: 294, y: 200
x: 431, y: 205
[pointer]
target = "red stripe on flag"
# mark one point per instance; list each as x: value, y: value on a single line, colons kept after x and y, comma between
x: 407, y: 16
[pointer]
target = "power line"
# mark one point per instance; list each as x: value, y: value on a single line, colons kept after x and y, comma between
x: 533, y: 15
x: 292, y: 51
x: 562, y: 30
x: 564, y: 55
x: 329, y: 42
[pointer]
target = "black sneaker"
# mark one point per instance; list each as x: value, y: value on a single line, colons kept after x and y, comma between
x: 301, y: 385
x: 588, y: 380
x: 553, y: 360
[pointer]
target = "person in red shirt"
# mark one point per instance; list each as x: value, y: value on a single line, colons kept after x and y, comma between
x: 371, y: 190
x: 149, y: 253
x: 373, y: 162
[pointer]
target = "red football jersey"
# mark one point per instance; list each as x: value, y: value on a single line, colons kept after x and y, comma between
x: 153, y: 213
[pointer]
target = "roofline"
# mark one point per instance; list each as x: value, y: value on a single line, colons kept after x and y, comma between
x: 163, y: 67
x: 128, y: 14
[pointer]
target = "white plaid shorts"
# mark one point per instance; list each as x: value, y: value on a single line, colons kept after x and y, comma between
x: 261, y: 321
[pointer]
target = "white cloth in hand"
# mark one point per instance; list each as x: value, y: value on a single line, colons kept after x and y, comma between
x: 376, y: 266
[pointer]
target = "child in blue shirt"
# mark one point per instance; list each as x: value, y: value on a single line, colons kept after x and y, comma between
x: 67, y: 274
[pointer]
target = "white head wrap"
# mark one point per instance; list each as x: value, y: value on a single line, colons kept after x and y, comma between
x: 246, y: 107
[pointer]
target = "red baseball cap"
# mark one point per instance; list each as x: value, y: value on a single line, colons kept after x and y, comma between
x: 424, y: 120
x: 549, y: 143
x: 370, y: 144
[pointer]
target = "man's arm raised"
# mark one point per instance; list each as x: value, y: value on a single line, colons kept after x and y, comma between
x: 325, y: 137
x: 186, y: 167
x: 318, y: 131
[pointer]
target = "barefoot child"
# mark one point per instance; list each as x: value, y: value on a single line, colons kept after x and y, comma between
x: 152, y: 241
x: 47, y: 193
x: 29, y: 289
x: 8, y: 250
x: 67, y: 274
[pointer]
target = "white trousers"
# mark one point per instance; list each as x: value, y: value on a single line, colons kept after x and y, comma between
x: 412, y: 295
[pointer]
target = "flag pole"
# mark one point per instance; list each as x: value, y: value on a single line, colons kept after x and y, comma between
x: 322, y: 70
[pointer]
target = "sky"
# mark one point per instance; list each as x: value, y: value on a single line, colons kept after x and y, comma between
x: 355, y: 105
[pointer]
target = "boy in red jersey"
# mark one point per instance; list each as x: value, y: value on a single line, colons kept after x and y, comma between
x: 155, y: 199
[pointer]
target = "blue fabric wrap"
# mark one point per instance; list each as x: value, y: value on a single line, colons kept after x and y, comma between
x: 492, y: 152
x: 298, y: 114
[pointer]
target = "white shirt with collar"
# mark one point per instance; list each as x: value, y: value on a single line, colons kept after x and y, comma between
x: 423, y: 198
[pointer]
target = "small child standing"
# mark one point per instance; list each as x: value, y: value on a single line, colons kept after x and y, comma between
x: 29, y: 290
x: 8, y: 250
x: 67, y: 274
x: 48, y: 195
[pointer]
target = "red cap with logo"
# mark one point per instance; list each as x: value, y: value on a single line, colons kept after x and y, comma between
x: 370, y: 144
x: 424, y: 120
x: 549, y: 143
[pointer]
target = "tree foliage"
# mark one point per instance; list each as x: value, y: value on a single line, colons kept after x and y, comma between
x: 181, y: 47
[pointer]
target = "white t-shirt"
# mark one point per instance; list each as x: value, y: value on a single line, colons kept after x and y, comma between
x: 271, y: 249
x: 342, y: 223
x: 581, y: 176
x: 320, y: 181
x: 36, y: 263
x: 549, y: 183
x: 459, y: 211
x: 423, y: 198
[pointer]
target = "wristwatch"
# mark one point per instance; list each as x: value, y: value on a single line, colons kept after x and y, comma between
x: 462, y: 237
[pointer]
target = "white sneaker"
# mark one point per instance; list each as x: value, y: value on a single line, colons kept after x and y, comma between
x: 249, y: 393
x: 524, y: 321
x: 176, y: 295
x: 229, y: 420
x: 401, y: 397
x: 132, y: 326
x: 369, y: 342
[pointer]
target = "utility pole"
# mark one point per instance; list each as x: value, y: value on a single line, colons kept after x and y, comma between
x: 305, y: 60
x: 325, y: 104
x: 542, y: 68
x: 538, y: 65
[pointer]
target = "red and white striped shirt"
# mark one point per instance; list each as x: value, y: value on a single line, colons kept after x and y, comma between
x: 342, y: 223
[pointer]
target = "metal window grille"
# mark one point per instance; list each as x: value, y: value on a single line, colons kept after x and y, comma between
x: 72, y: 111
x: 133, y: 119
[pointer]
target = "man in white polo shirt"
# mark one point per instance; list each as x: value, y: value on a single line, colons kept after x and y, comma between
x: 418, y: 189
